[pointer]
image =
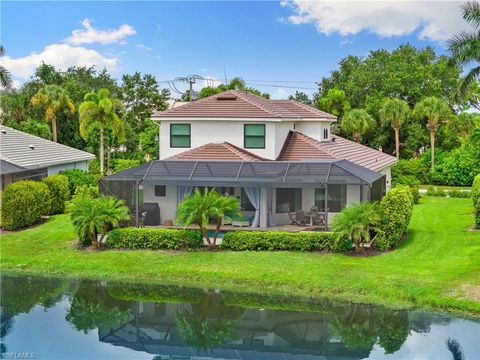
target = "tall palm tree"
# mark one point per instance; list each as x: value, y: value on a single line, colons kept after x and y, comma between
x: 395, y: 112
x: 357, y: 122
x: 465, y: 46
x: 5, y: 77
x: 102, y: 109
x: 225, y: 208
x: 54, y: 99
x: 435, y: 111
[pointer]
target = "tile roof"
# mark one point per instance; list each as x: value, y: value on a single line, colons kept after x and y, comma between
x: 240, y: 104
x: 299, y: 146
x: 31, y: 152
x: 216, y: 151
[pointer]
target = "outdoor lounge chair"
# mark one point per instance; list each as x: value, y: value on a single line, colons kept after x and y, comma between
x: 298, y: 217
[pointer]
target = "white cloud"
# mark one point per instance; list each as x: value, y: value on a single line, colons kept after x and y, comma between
x: 61, y: 56
x: 281, y: 94
x: 144, y: 47
x: 435, y: 20
x: 90, y: 35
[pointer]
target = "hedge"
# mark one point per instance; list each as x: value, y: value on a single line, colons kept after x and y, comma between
x: 59, y: 192
x: 154, y: 239
x: 77, y: 177
x: 396, y: 210
x: 24, y: 203
x: 283, y: 240
x: 476, y: 199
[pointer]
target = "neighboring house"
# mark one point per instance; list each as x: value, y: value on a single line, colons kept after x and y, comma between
x: 277, y: 156
x: 28, y: 157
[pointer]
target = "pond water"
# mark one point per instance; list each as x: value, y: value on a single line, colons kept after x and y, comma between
x: 52, y: 318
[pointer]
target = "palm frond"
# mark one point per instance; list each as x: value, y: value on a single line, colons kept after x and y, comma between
x: 465, y: 47
x: 472, y: 75
x: 471, y: 13
x: 88, y: 113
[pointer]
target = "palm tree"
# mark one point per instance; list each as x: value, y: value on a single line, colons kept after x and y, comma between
x: 355, y: 222
x: 199, y: 207
x: 395, y: 112
x: 357, y: 122
x: 5, y: 77
x: 102, y: 109
x: 465, y: 46
x: 435, y: 111
x: 54, y: 99
x: 91, y: 216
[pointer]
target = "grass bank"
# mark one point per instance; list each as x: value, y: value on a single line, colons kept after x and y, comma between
x: 438, y: 266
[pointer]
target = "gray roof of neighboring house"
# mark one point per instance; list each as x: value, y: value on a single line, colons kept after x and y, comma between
x: 31, y: 152
x: 9, y: 168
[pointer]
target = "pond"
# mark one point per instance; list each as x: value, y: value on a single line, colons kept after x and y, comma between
x: 53, y: 318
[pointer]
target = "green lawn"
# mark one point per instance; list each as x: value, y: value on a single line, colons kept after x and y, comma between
x: 438, y: 266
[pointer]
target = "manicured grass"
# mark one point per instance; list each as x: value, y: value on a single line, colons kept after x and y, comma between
x: 438, y: 266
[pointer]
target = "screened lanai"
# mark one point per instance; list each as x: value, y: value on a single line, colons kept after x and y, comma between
x: 261, y: 176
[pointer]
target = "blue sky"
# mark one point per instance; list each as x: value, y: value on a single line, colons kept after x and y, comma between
x: 289, y: 44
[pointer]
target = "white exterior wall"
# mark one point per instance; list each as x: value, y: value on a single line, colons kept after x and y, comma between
x: 219, y: 131
x: 167, y: 203
x: 313, y: 129
x: 206, y: 131
x: 55, y: 169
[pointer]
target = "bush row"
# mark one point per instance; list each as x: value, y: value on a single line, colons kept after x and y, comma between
x: 476, y: 200
x: 141, y: 238
x: 283, y: 240
x: 24, y: 203
x: 59, y: 192
x: 454, y: 193
x: 396, y: 210
x: 77, y: 178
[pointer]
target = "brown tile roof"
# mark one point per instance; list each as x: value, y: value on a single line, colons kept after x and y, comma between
x: 301, y: 147
x: 240, y: 104
x: 216, y: 151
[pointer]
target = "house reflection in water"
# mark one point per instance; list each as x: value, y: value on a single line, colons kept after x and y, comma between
x: 239, y: 333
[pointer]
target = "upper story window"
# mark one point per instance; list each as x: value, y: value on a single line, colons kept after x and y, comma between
x: 325, y: 134
x: 254, y: 136
x: 180, y: 135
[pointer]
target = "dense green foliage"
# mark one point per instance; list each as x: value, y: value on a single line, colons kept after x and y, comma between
x: 96, y: 215
x: 396, y: 209
x: 77, y: 177
x: 124, y: 164
x: 476, y: 200
x: 235, y: 84
x: 283, y: 241
x: 355, y: 222
x: 430, y: 269
x: 154, y: 239
x: 58, y: 186
x: 199, y: 207
x: 24, y: 203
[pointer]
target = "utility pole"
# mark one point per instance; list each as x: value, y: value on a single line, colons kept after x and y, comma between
x: 191, y: 81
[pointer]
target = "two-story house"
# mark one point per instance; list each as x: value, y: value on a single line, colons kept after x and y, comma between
x: 276, y: 156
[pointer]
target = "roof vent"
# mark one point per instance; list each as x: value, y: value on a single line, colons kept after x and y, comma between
x: 227, y: 97
x: 334, y: 138
x: 4, y: 131
x: 31, y: 147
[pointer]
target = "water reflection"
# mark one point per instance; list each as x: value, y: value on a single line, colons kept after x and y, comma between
x: 158, y: 321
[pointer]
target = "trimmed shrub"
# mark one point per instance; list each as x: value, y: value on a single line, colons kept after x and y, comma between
x: 77, y: 177
x: 283, y: 241
x: 458, y: 168
x: 396, y: 210
x: 141, y: 238
x: 455, y: 193
x: 59, y: 192
x: 476, y: 199
x: 435, y: 191
x: 24, y: 203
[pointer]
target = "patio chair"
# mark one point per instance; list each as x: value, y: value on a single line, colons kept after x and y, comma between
x: 300, y: 218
